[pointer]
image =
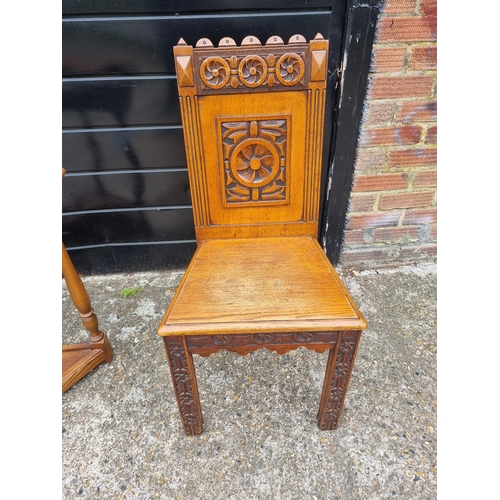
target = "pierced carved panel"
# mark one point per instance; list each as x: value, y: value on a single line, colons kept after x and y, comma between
x: 255, y: 160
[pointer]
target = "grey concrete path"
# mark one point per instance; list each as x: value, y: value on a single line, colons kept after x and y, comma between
x: 122, y: 437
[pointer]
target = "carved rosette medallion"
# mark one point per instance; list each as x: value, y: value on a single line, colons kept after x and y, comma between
x: 290, y: 69
x: 262, y: 338
x: 255, y: 161
x: 215, y: 72
x: 304, y: 336
x: 220, y: 339
x: 252, y: 71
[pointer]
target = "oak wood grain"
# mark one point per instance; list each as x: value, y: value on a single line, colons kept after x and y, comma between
x: 259, y: 285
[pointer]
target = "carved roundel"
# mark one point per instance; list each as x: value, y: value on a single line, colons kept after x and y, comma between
x: 255, y: 162
x: 261, y: 338
x: 290, y: 69
x: 220, y: 339
x: 252, y: 71
x: 215, y: 72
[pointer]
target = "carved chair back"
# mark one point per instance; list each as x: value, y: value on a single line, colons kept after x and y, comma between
x: 253, y: 126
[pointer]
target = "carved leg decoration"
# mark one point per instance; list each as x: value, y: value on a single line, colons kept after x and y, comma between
x: 338, y: 373
x: 185, y: 385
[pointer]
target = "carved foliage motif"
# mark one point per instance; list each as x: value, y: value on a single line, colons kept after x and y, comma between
x: 259, y: 340
x: 252, y: 71
x: 343, y: 366
x: 185, y: 392
x: 254, y: 154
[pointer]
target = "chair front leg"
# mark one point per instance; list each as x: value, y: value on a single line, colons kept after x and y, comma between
x: 185, y: 385
x: 338, y: 372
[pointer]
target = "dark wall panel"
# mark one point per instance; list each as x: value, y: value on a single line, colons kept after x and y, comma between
x: 123, y: 149
x: 149, y: 189
x: 144, y: 45
x: 128, y: 226
x: 120, y: 102
x: 162, y: 6
x: 126, y: 194
x: 129, y: 258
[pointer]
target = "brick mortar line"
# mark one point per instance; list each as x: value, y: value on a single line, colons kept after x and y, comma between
x: 409, y: 15
x: 414, y: 169
x: 405, y: 72
x: 402, y: 218
x: 402, y: 72
x: 394, y: 123
x: 389, y: 192
x: 431, y: 96
x: 402, y: 43
x: 384, y: 125
x: 409, y: 73
x: 416, y: 244
x: 400, y: 147
x: 421, y: 142
x: 390, y: 245
x: 397, y: 99
x: 402, y: 170
x: 417, y: 6
x: 377, y: 211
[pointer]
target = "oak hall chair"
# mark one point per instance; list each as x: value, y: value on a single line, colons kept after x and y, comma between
x: 253, y: 128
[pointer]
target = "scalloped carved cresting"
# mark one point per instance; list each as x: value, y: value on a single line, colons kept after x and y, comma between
x: 255, y: 165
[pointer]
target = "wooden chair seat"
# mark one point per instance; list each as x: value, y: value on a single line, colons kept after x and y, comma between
x: 260, y: 285
x: 253, y: 128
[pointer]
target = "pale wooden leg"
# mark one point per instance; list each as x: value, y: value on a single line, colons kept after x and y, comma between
x: 338, y: 373
x: 80, y: 359
x: 185, y: 385
x: 80, y: 298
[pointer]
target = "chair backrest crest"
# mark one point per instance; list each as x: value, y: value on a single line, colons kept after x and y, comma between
x: 253, y: 127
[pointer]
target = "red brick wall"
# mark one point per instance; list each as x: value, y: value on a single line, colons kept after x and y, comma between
x: 392, y: 213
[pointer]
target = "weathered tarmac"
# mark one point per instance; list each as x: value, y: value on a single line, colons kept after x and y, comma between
x: 122, y: 437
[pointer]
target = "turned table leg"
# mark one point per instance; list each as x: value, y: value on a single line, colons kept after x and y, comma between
x: 185, y: 385
x: 338, y: 373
